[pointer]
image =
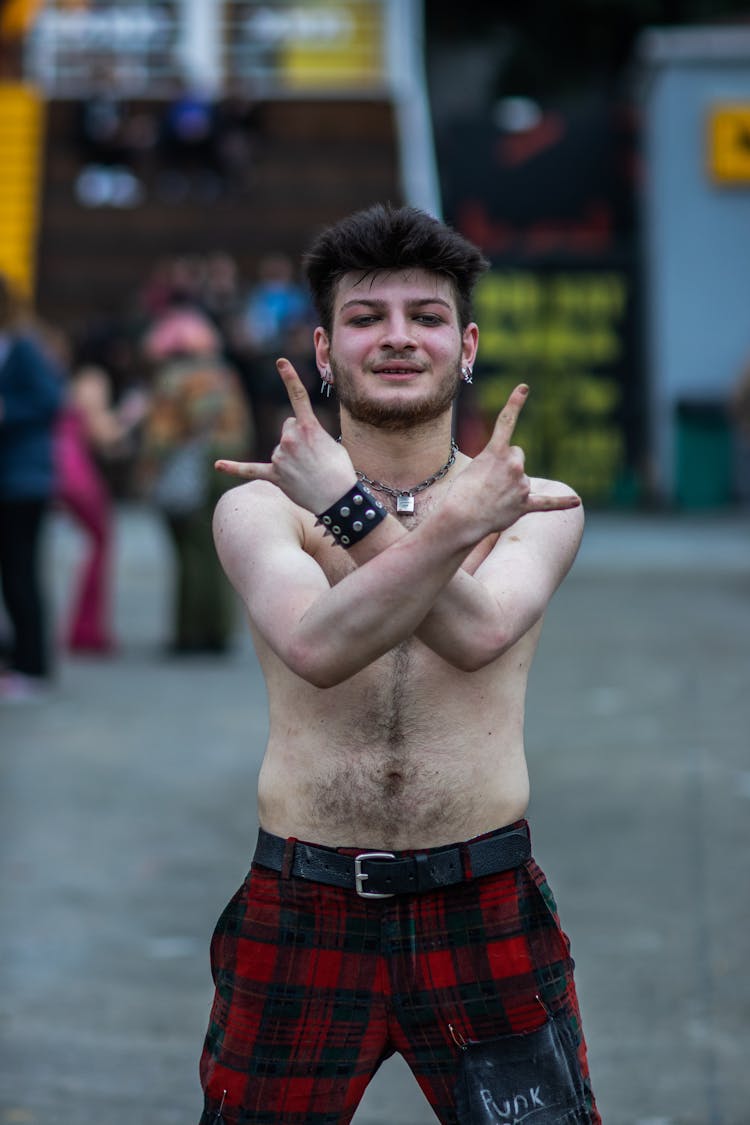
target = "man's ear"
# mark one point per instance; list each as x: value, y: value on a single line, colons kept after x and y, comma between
x: 322, y: 347
x: 470, y: 344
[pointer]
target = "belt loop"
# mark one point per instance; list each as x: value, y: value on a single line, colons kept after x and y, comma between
x: 288, y: 861
x: 422, y: 870
x: 466, y: 863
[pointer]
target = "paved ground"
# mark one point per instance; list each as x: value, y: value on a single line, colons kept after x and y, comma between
x: 127, y: 815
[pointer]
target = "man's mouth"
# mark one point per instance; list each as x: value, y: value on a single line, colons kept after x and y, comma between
x: 396, y: 369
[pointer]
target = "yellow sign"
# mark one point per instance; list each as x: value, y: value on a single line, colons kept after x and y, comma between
x: 21, y: 140
x: 17, y: 16
x: 332, y: 44
x: 729, y: 144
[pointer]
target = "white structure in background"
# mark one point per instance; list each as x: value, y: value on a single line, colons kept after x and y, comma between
x: 346, y: 49
x: 408, y: 83
x: 696, y: 225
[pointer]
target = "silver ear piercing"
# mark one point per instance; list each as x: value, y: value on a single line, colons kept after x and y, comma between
x: 466, y: 373
x: 326, y: 381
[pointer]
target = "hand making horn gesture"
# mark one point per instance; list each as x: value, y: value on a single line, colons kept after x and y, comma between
x: 495, y: 486
x: 313, y: 470
x: 308, y: 465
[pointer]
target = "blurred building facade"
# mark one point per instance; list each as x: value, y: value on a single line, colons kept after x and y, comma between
x: 582, y: 164
x: 696, y: 246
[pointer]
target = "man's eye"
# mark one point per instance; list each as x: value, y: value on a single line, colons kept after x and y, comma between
x: 429, y: 318
x: 366, y: 318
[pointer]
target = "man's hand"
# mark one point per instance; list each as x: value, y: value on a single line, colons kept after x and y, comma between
x: 495, y: 487
x: 307, y: 465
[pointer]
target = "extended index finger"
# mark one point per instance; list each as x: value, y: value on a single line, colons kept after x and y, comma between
x: 295, y: 388
x: 248, y: 470
x: 508, y: 416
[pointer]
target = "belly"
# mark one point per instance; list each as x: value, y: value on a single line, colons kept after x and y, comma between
x: 381, y: 800
x: 387, y: 800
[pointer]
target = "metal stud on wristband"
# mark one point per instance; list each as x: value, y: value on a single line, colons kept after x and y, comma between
x: 352, y: 517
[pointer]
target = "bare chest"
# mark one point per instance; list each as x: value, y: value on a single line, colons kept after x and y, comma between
x: 401, y: 755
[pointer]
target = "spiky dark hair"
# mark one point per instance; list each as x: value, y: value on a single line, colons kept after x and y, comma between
x: 384, y: 237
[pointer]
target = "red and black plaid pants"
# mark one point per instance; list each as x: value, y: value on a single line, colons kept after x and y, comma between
x: 316, y: 986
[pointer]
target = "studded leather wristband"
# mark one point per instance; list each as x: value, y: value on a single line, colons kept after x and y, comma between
x: 353, y: 516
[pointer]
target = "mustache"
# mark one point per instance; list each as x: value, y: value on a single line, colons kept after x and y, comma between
x: 396, y: 417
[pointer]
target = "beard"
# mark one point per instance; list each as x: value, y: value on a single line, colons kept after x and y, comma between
x: 398, y: 415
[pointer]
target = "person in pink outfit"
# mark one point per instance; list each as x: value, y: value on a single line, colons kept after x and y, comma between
x: 90, y: 428
x: 84, y: 496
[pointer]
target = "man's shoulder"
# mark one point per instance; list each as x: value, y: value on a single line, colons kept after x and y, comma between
x: 551, y: 487
x: 254, y: 504
x: 556, y: 530
x: 260, y: 535
x: 251, y: 497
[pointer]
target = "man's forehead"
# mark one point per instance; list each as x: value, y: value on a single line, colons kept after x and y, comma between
x: 390, y: 284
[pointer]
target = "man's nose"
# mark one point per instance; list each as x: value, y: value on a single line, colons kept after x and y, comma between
x: 398, y: 334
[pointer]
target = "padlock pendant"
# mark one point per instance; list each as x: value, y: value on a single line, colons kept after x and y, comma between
x: 405, y: 504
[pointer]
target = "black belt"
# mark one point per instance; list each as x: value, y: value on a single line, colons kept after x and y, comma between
x: 383, y: 874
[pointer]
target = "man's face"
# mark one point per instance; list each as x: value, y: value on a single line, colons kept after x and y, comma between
x: 396, y: 348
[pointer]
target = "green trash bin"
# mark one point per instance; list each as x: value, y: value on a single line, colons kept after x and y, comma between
x: 704, y: 454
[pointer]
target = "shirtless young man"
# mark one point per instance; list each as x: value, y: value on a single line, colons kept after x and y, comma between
x: 396, y: 647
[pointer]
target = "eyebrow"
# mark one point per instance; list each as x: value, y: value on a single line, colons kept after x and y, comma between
x: 376, y: 304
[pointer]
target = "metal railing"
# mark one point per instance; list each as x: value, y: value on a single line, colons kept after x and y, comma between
x: 271, y: 49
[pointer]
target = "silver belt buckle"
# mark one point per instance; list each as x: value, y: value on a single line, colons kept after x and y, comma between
x: 360, y: 875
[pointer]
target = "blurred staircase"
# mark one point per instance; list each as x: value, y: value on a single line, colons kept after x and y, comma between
x: 314, y: 161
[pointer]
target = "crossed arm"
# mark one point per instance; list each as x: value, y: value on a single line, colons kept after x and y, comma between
x: 405, y: 583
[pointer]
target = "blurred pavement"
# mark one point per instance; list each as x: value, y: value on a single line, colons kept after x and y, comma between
x: 127, y: 817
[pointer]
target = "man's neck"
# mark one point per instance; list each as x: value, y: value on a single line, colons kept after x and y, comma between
x: 401, y: 458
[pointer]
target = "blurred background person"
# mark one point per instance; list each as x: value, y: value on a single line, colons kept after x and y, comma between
x: 275, y: 302
x: 219, y: 293
x: 197, y: 411
x: 115, y: 142
x: 31, y: 395
x: 188, y: 132
x: 90, y: 432
x: 239, y: 133
x: 275, y: 320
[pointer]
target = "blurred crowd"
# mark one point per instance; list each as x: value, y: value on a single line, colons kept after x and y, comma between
x: 138, y: 409
x: 189, y: 145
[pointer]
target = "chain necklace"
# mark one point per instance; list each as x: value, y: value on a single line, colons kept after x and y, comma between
x: 405, y: 496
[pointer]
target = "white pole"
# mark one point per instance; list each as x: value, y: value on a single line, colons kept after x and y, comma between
x: 200, y: 43
x: 404, y: 44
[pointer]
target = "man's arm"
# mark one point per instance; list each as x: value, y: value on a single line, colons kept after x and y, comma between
x: 406, y: 576
x: 480, y: 614
x: 325, y: 633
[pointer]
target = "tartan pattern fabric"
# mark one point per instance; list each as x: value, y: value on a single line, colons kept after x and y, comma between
x: 316, y: 986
